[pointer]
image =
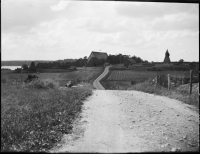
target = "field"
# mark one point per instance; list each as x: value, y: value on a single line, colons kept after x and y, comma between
x: 62, y: 77
x: 127, y: 75
x: 123, y: 79
x: 34, y: 116
x: 145, y: 81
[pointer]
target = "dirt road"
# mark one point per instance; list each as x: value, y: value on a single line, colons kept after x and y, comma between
x: 96, y: 83
x: 131, y: 121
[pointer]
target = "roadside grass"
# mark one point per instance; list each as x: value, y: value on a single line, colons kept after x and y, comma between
x: 175, y: 93
x: 35, y: 116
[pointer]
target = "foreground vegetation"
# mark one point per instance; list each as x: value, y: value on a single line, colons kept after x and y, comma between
x: 180, y: 93
x: 35, y: 116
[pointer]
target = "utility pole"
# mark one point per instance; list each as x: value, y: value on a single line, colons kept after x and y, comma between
x: 85, y: 66
x: 21, y: 72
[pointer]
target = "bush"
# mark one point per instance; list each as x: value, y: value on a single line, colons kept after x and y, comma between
x: 45, y: 84
x: 133, y: 82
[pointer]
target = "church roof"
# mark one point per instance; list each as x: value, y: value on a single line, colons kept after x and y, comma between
x: 100, y: 55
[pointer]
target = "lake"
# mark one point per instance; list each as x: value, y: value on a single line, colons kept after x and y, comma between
x: 11, y: 67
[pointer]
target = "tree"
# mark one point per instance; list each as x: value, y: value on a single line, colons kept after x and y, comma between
x: 32, y: 67
x: 181, y: 61
x: 25, y: 67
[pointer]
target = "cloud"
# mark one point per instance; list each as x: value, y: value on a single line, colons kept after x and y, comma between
x: 150, y: 10
x: 22, y: 15
x: 60, y: 6
x: 180, y: 21
x: 34, y: 29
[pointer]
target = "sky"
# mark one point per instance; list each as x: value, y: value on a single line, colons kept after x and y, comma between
x: 60, y: 29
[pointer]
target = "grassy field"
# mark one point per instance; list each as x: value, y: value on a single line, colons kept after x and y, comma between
x: 35, y: 116
x: 62, y: 77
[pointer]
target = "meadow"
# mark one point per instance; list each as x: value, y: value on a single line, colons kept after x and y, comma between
x: 61, y: 77
x: 35, y: 116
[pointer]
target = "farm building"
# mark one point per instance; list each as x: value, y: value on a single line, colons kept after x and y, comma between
x: 128, y: 62
x: 167, y: 59
x: 97, y: 57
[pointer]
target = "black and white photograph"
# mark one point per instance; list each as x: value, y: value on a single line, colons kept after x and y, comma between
x: 93, y: 76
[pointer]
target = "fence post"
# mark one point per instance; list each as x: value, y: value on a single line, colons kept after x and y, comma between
x: 156, y: 79
x: 191, y: 81
x: 168, y: 81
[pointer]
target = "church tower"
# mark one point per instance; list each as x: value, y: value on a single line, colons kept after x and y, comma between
x: 167, y: 60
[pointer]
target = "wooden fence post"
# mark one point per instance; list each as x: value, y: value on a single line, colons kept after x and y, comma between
x: 168, y: 81
x: 191, y: 81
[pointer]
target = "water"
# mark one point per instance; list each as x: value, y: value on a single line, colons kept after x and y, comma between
x: 11, y: 67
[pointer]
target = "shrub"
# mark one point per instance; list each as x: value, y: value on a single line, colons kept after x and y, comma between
x: 133, y: 82
x: 45, y: 84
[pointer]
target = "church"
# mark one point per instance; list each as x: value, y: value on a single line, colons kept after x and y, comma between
x: 167, y: 59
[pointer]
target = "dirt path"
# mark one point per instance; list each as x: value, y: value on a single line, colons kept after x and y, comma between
x: 131, y: 121
x: 96, y: 83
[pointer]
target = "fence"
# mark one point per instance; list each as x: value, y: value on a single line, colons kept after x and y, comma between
x: 168, y: 81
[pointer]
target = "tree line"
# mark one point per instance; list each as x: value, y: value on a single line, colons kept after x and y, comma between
x: 111, y: 59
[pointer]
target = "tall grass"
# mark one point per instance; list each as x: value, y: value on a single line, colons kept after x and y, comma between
x: 35, y: 116
x: 45, y: 84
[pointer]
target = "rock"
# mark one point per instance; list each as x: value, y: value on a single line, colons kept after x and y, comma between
x: 185, y: 137
x: 191, y: 145
x: 162, y: 146
x: 59, y: 145
x: 175, y: 149
x: 177, y: 115
x: 133, y: 121
x: 52, y: 132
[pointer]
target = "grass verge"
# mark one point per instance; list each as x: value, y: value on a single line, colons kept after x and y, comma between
x: 175, y: 93
x: 35, y: 116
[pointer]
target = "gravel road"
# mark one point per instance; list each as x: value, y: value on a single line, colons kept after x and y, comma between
x: 132, y: 121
